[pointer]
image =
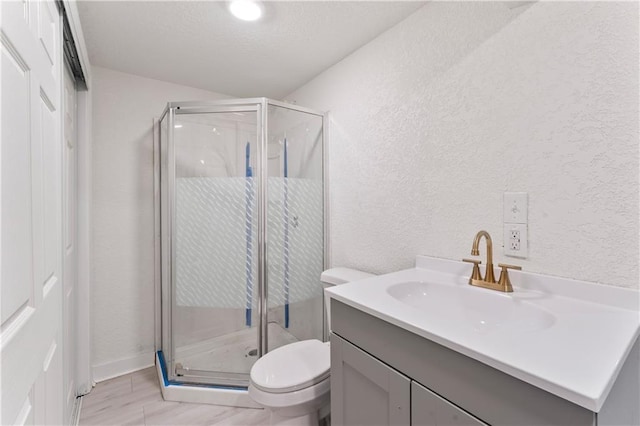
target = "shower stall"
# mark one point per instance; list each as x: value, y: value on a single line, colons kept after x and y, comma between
x: 241, y: 241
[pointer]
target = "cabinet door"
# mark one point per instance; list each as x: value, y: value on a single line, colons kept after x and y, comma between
x: 428, y: 409
x: 364, y: 391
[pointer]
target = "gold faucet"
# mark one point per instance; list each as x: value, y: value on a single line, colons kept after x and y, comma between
x: 489, y: 280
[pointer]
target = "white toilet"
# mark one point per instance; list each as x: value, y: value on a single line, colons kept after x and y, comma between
x: 292, y: 381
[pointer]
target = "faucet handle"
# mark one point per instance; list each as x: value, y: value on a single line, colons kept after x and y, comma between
x: 475, y: 274
x: 506, y: 266
x: 504, y: 280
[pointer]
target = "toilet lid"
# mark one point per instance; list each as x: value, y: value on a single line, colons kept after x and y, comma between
x: 292, y: 367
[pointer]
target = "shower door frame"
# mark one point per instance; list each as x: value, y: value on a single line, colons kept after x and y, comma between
x: 164, y: 300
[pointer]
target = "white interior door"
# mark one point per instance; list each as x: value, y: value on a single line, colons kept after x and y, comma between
x: 31, y: 290
x: 70, y: 207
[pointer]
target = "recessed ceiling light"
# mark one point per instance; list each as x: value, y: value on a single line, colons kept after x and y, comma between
x: 178, y: 126
x: 247, y: 10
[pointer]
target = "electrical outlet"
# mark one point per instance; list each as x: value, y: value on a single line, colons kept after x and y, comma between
x: 515, y: 240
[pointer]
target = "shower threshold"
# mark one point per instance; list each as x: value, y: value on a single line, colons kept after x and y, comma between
x: 201, y: 393
x: 209, y: 372
x: 219, y: 378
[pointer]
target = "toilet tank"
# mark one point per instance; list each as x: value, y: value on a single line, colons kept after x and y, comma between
x: 337, y: 276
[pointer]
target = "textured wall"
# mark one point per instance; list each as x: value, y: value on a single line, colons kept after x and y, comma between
x: 122, y: 312
x: 436, y: 118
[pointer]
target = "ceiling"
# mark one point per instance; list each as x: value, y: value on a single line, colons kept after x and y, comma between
x: 200, y: 44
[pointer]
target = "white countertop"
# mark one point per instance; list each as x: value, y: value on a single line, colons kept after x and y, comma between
x: 580, y: 337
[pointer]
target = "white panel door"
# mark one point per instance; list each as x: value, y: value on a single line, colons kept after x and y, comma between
x: 70, y: 203
x: 31, y: 287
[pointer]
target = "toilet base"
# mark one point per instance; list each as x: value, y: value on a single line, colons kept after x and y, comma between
x: 316, y: 413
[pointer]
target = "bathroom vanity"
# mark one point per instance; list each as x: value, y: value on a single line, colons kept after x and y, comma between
x: 535, y: 357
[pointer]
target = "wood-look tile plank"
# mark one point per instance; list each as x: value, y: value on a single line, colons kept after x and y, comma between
x: 246, y: 417
x: 181, y: 413
x: 140, y: 397
x: 109, y: 388
x: 145, y: 379
x: 135, y: 399
x: 132, y: 415
x: 97, y: 409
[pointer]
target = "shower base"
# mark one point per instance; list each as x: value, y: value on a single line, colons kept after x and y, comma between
x: 230, y: 353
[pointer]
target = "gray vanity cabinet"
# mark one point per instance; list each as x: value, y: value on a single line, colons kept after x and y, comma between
x: 428, y: 409
x: 364, y: 390
x: 384, y: 375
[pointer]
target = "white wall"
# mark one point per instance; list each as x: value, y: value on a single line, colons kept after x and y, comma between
x: 124, y: 107
x: 432, y: 121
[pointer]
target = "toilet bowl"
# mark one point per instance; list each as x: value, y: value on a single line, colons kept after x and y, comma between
x: 292, y: 381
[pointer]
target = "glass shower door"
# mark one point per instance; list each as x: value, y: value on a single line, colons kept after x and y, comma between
x: 295, y: 225
x: 214, y: 321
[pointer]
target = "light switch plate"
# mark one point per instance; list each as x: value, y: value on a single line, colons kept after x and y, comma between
x: 515, y: 207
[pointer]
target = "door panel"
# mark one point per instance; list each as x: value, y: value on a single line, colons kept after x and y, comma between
x: 17, y: 274
x: 70, y: 196
x: 51, y: 187
x: 52, y: 372
x: 25, y: 346
x: 25, y: 416
x: 47, y: 15
x: 31, y: 157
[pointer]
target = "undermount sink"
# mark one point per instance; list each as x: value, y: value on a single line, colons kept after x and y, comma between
x: 482, y: 310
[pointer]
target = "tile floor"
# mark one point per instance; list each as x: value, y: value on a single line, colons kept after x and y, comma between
x: 135, y: 399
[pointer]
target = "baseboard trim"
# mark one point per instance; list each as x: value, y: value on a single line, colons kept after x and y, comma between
x: 112, y: 369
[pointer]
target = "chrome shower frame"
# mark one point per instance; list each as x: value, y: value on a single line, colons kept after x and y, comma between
x: 166, y: 261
